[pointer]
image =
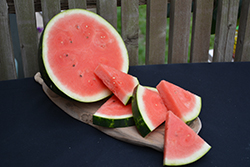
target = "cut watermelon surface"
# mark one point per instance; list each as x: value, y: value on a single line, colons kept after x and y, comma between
x: 182, y: 145
x: 113, y: 114
x: 148, y: 109
x: 74, y: 43
x: 182, y: 103
x: 120, y: 83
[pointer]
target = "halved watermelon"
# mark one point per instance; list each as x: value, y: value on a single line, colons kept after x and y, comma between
x: 120, y: 83
x: 73, y: 43
x: 113, y: 114
x: 182, y: 103
x: 181, y: 145
x: 148, y: 109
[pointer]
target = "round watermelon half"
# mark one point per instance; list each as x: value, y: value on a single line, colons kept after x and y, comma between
x: 148, y: 109
x: 114, y: 114
x: 181, y: 145
x: 73, y: 43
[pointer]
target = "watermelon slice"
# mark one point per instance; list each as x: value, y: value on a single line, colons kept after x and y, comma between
x: 182, y: 145
x: 148, y: 109
x: 74, y: 43
x: 182, y: 103
x: 113, y: 114
x: 120, y: 83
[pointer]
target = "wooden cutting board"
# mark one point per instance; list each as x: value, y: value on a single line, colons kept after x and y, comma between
x: 84, y: 112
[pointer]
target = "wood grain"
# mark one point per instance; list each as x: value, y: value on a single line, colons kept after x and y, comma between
x: 7, y: 66
x: 84, y: 112
x: 28, y: 37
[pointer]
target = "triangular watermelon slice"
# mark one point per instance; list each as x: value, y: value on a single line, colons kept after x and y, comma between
x: 182, y: 103
x: 148, y: 109
x: 113, y: 114
x: 121, y: 84
x: 182, y: 145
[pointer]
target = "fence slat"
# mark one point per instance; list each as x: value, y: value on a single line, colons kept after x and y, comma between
x: 225, y: 30
x: 77, y: 4
x: 7, y: 66
x: 156, y: 31
x: 50, y: 8
x: 108, y: 10
x: 201, y: 31
x: 130, y: 28
x: 180, y: 15
x: 243, y: 40
x: 28, y: 36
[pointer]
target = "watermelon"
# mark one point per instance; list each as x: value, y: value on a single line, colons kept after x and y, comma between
x: 182, y: 103
x: 181, y: 145
x: 148, y: 109
x: 73, y: 44
x: 120, y: 83
x: 114, y: 114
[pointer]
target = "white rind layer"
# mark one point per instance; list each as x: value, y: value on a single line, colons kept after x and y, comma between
x: 113, y: 116
x: 195, y: 112
x: 192, y: 158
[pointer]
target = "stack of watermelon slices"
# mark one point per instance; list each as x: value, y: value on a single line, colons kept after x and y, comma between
x: 75, y: 63
x: 149, y: 108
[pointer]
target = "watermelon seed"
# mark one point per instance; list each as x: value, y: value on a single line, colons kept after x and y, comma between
x: 77, y: 27
x: 66, y: 55
x: 87, y: 37
x: 113, y: 77
x: 73, y: 65
x: 80, y: 75
x: 70, y: 41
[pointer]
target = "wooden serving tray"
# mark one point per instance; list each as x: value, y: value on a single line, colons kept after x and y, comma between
x: 84, y: 112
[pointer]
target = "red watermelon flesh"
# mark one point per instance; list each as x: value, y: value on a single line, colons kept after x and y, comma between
x: 113, y: 114
x: 74, y: 43
x: 182, y: 103
x: 182, y: 145
x: 120, y: 83
x: 148, y: 109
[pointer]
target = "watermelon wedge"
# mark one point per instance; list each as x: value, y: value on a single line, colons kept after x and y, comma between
x: 73, y: 44
x: 148, y: 109
x: 114, y: 114
x: 120, y: 83
x: 182, y: 145
x: 182, y: 103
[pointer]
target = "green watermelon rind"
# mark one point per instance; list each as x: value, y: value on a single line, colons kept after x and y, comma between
x: 141, y: 121
x: 190, y: 159
x: 47, y: 74
x: 110, y: 122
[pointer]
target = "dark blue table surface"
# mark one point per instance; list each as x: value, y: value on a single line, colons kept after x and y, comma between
x: 35, y: 132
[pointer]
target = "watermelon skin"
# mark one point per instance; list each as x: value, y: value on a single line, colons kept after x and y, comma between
x: 114, y: 114
x: 182, y: 103
x: 121, y: 84
x: 54, y: 83
x: 149, y: 111
x: 181, y: 145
